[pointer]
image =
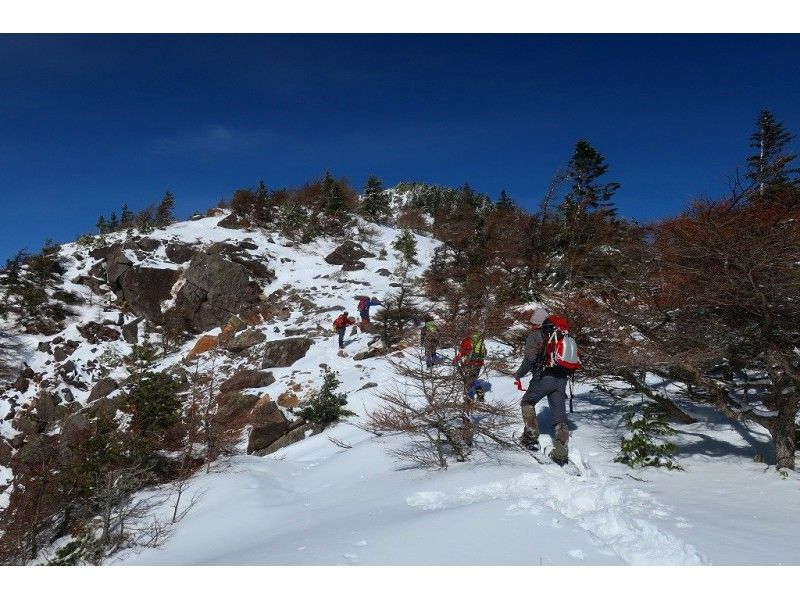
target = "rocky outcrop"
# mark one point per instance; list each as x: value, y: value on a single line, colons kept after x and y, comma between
x: 130, y: 331
x: 245, y: 340
x: 352, y: 267
x: 96, y: 333
x: 369, y: 353
x: 216, y: 288
x: 234, y: 407
x: 268, y: 425
x: 247, y: 379
x: 283, y: 353
x: 348, y: 252
x: 5, y: 453
x: 103, y: 388
x: 204, y: 343
x: 144, y: 289
x: 288, y: 400
x: 178, y: 252
x: 45, y: 406
x: 233, y: 221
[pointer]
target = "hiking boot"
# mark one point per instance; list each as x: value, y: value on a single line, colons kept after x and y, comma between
x: 560, y: 453
x: 530, y: 440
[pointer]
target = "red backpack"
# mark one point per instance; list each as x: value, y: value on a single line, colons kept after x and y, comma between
x: 340, y: 322
x: 362, y: 305
x: 561, y: 350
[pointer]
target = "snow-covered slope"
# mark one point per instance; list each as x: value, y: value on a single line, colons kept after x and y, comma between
x: 317, y: 502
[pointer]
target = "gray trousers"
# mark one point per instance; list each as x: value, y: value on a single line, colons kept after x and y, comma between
x: 555, y: 389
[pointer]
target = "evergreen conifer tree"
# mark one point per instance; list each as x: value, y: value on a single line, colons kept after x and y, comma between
x: 126, y: 217
x: 331, y: 196
x: 505, y: 203
x: 113, y: 223
x: 376, y: 204
x: 102, y: 225
x: 406, y: 244
x: 164, y: 211
x: 586, y: 166
x: 769, y: 168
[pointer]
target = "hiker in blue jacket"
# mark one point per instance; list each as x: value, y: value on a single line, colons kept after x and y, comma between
x: 364, y: 303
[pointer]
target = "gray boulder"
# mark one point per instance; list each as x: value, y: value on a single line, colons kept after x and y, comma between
x: 96, y: 333
x: 103, y: 388
x: 283, y: 353
x: 5, y: 453
x: 130, y: 331
x: 347, y: 253
x: 143, y: 289
x: 247, y: 379
x: 215, y: 289
x: 45, y: 406
x: 268, y: 425
x: 178, y: 252
x: 352, y: 267
x: 234, y: 407
x: 244, y: 340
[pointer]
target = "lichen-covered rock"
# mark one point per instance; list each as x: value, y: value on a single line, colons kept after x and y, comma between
x: 288, y: 400
x: 283, y: 353
x: 204, y: 344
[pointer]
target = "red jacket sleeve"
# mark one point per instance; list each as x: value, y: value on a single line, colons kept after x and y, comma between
x: 464, y: 349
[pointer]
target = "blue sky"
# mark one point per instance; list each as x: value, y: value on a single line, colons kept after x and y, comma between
x: 91, y: 122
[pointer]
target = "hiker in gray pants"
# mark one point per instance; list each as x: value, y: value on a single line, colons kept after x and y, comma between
x: 554, y: 388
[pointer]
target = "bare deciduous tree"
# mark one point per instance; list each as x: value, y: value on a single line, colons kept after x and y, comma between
x: 430, y: 407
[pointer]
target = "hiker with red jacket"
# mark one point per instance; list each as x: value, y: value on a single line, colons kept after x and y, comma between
x: 470, y: 357
x: 552, y: 355
x: 364, y: 303
x: 340, y: 325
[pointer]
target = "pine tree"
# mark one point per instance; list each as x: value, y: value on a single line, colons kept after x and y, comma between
x: 126, y: 218
x: 505, y: 203
x: 262, y: 194
x: 327, y: 407
x: 406, y: 244
x: 113, y: 223
x: 164, y: 211
x: 585, y: 194
x: 376, y: 206
x: 770, y: 168
x: 331, y: 198
x: 102, y: 225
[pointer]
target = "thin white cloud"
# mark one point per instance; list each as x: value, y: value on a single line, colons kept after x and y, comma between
x: 212, y: 141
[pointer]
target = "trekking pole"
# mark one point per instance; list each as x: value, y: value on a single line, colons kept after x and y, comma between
x: 571, y: 394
